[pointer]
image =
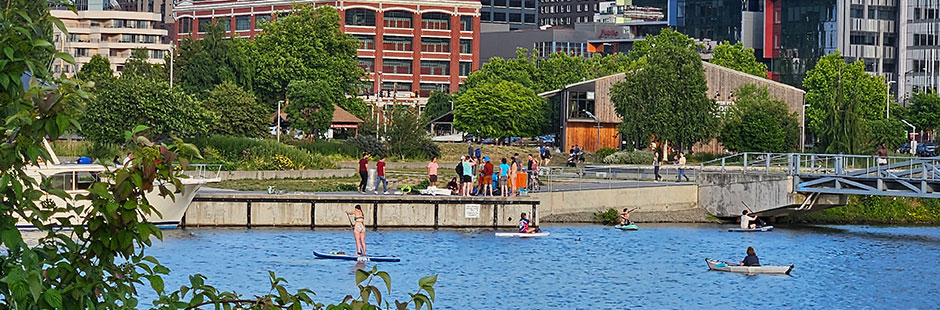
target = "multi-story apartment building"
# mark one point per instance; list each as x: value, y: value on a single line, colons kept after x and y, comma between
x: 566, y: 13
x: 112, y: 34
x: 162, y: 7
x: 919, y: 47
x: 517, y: 14
x: 624, y: 11
x: 407, y: 48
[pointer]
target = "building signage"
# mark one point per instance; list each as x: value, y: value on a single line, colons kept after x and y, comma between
x: 471, y: 211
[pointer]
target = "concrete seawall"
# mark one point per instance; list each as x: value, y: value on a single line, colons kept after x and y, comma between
x: 653, y: 204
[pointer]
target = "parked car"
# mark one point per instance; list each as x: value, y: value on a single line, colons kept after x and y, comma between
x: 927, y: 149
x: 547, y: 139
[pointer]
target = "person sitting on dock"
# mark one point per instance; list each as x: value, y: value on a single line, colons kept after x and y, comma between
x: 751, y: 258
x: 524, y: 226
x: 625, y: 217
x: 453, y: 186
x: 746, y: 221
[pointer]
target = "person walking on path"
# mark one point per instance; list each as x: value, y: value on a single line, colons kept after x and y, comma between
x: 359, y: 230
x: 432, y: 172
x: 363, y: 172
x: 682, y: 168
x: 380, y: 176
x: 656, y: 165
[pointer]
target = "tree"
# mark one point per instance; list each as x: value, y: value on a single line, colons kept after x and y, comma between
x: 438, y: 104
x: 138, y: 66
x: 125, y: 103
x: 405, y: 135
x: 97, y: 69
x: 665, y: 95
x: 843, y: 101
x: 759, y: 122
x: 214, y: 59
x: 522, y: 70
x: 308, y: 45
x: 239, y: 112
x: 561, y: 69
x: 738, y: 58
x: 499, y: 109
x: 311, y: 105
x: 925, y: 110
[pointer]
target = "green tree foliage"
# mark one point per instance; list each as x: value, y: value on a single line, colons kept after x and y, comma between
x: 125, y: 103
x: 138, y: 66
x: 405, y: 135
x: 736, y: 57
x: 665, y: 95
x: 97, y: 69
x: 438, y: 104
x: 925, y: 111
x: 311, y: 105
x: 238, y: 112
x: 502, y: 109
x: 521, y: 70
x: 759, y: 122
x: 843, y: 100
x: 308, y: 45
x: 214, y: 59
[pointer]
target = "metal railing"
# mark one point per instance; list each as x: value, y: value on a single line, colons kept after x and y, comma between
x: 557, y: 179
x: 204, y: 171
x: 807, y: 164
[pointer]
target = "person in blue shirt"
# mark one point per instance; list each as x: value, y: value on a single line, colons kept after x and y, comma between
x: 524, y: 225
x: 751, y: 258
x: 503, y: 178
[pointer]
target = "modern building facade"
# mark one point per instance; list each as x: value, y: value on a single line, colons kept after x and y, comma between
x: 919, y: 47
x: 517, y: 14
x: 623, y: 11
x: 567, y: 13
x: 162, y: 7
x: 112, y: 34
x: 581, y: 39
x: 408, y: 48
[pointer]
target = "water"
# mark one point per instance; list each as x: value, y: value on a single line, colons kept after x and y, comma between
x: 584, y: 267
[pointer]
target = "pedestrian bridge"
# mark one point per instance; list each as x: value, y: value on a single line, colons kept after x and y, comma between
x: 818, y: 180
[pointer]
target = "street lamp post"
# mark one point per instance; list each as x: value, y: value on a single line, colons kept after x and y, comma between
x: 803, y: 128
x: 888, y: 100
x: 911, y: 136
x: 278, y: 133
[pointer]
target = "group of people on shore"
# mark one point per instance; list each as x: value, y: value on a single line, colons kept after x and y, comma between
x: 491, y: 179
x: 379, y: 175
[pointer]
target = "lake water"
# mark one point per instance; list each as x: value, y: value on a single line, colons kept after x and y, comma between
x: 584, y: 267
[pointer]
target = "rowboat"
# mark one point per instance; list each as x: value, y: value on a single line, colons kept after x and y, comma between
x: 627, y: 227
x: 759, y: 229
x: 718, y: 265
x: 343, y: 256
x: 522, y: 235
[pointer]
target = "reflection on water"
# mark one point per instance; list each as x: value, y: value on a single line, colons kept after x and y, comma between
x: 584, y: 267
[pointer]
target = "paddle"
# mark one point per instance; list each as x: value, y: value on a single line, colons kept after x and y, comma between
x: 749, y: 211
x: 350, y: 221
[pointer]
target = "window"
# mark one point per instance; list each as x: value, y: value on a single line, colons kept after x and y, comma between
x: 81, y: 52
x: 465, y: 68
x: 142, y: 24
x: 243, y: 23
x: 515, y: 3
x: 864, y: 39
x: 430, y: 67
x: 397, y: 66
x: 403, y: 44
x: 515, y: 17
x: 857, y: 11
x: 399, y: 86
x: 499, y: 3
x: 360, y: 17
x: 530, y: 4
x: 398, y: 19
x: 84, y: 180
x: 186, y: 25
x: 466, y: 46
x: 425, y: 89
x: 435, y: 45
x: 62, y: 181
x: 226, y: 23
x: 924, y: 39
x: 466, y: 23
x: 366, y: 42
x: 499, y: 16
x: 530, y: 19
x: 157, y: 54
x: 579, y: 102
x: 367, y: 64
x: 261, y: 19
x: 435, y: 21
x: 204, y: 23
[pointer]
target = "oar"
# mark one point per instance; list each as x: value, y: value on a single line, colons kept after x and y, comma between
x: 350, y: 221
x: 752, y: 211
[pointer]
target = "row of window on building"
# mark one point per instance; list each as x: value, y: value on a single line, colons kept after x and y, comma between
x: 242, y: 23
x: 404, y: 66
x: 511, y: 3
x: 511, y: 17
x: 566, y: 8
x: 406, y: 44
x: 395, y: 89
x: 84, y: 52
x: 404, y: 19
x: 546, y: 49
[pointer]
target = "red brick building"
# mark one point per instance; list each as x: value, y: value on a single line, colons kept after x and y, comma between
x: 408, y: 48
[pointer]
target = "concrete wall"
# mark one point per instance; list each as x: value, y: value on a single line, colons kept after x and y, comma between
x: 721, y: 194
x: 274, y: 174
x: 653, y: 204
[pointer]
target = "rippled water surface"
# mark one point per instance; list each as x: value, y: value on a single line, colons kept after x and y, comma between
x: 584, y: 267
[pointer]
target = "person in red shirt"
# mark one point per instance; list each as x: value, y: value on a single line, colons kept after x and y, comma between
x: 363, y: 172
x: 380, y: 176
x: 487, y: 177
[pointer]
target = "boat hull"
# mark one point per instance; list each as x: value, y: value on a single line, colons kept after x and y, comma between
x: 627, y: 227
x: 391, y: 259
x: 717, y: 265
x: 759, y: 229
x: 522, y: 235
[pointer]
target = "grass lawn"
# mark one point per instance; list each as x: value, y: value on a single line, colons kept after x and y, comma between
x: 451, y: 152
x: 404, y: 177
x: 877, y: 210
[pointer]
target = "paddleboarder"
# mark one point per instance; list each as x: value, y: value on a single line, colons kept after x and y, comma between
x: 746, y: 220
x: 524, y: 225
x: 625, y: 217
x: 359, y: 230
x: 751, y: 258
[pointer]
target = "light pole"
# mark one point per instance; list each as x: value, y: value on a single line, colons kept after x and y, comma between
x: 598, y: 129
x: 913, y: 141
x: 888, y: 100
x: 278, y: 133
x: 803, y: 128
x: 171, y: 49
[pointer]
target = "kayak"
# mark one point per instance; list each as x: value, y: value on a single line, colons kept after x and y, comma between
x: 718, y: 265
x: 627, y: 227
x: 759, y: 229
x: 356, y: 258
x: 521, y: 235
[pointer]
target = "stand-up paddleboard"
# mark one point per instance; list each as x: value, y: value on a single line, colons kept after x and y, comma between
x: 521, y: 235
x: 356, y: 258
x: 627, y: 227
x: 759, y: 229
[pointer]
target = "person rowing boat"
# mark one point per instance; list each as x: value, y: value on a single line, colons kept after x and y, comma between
x: 751, y: 259
x: 524, y: 225
x: 359, y: 230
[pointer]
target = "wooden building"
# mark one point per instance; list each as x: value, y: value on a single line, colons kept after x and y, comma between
x: 589, y: 120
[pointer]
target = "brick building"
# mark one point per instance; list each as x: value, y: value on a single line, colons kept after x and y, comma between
x: 408, y: 48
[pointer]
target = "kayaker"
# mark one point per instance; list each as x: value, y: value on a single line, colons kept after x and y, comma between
x: 524, y: 225
x: 751, y: 258
x: 746, y: 221
x: 359, y: 230
x: 625, y: 217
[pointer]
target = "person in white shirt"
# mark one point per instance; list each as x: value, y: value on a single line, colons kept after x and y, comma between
x: 127, y: 160
x: 746, y: 221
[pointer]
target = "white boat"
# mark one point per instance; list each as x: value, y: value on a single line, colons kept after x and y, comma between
x: 718, y: 265
x: 521, y: 235
x: 75, y: 179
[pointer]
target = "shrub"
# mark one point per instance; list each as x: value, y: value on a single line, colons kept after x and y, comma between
x: 252, y: 154
x: 605, y: 151
x: 369, y: 145
x: 631, y: 158
x: 329, y: 148
x: 609, y: 217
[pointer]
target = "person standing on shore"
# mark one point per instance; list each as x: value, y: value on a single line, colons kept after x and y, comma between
x: 467, y: 176
x: 363, y: 172
x: 487, y: 177
x: 657, y: 162
x: 380, y: 176
x: 503, y: 179
x: 682, y: 168
x: 359, y: 230
x: 432, y: 172
x: 513, y: 171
